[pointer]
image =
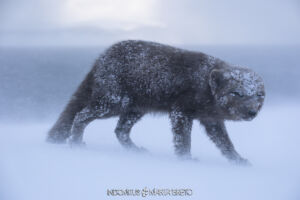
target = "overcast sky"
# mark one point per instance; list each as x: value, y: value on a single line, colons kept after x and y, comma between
x: 184, y: 22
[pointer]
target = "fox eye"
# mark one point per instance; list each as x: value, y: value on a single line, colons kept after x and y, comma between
x: 236, y: 94
x: 260, y: 94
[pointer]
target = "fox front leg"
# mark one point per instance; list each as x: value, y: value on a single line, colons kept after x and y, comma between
x: 216, y: 131
x: 181, y: 128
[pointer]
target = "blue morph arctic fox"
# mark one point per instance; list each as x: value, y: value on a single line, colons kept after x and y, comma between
x: 132, y: 78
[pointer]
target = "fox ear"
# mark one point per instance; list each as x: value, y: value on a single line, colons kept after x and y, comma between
x: 217, y: 78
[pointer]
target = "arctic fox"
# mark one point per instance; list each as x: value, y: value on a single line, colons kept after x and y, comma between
x: 132, y: 78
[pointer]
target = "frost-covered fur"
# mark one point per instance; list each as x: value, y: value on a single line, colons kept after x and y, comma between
x: 132, y: 78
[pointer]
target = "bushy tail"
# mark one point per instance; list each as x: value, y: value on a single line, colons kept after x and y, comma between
x: 61, y: 129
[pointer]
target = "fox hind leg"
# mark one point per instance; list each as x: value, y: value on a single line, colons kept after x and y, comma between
x: 125, y: 123
x: 81, y: 120
x: 91, y: 112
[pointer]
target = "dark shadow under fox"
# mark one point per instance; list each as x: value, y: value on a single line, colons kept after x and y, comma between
x: 132, y: 78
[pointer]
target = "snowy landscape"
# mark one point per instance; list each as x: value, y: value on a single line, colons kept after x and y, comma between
x: 48, y: 47
x: 35, y: 85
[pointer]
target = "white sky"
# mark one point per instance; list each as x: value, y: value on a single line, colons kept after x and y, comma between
x: 94, y: 22
x: 111, y: 14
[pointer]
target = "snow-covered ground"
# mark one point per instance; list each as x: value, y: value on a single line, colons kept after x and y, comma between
x: 31, y: 169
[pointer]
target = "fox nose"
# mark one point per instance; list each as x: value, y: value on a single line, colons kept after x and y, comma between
x: 252, y: 113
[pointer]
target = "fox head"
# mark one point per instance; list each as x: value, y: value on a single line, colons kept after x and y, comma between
x: 238, y: 92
